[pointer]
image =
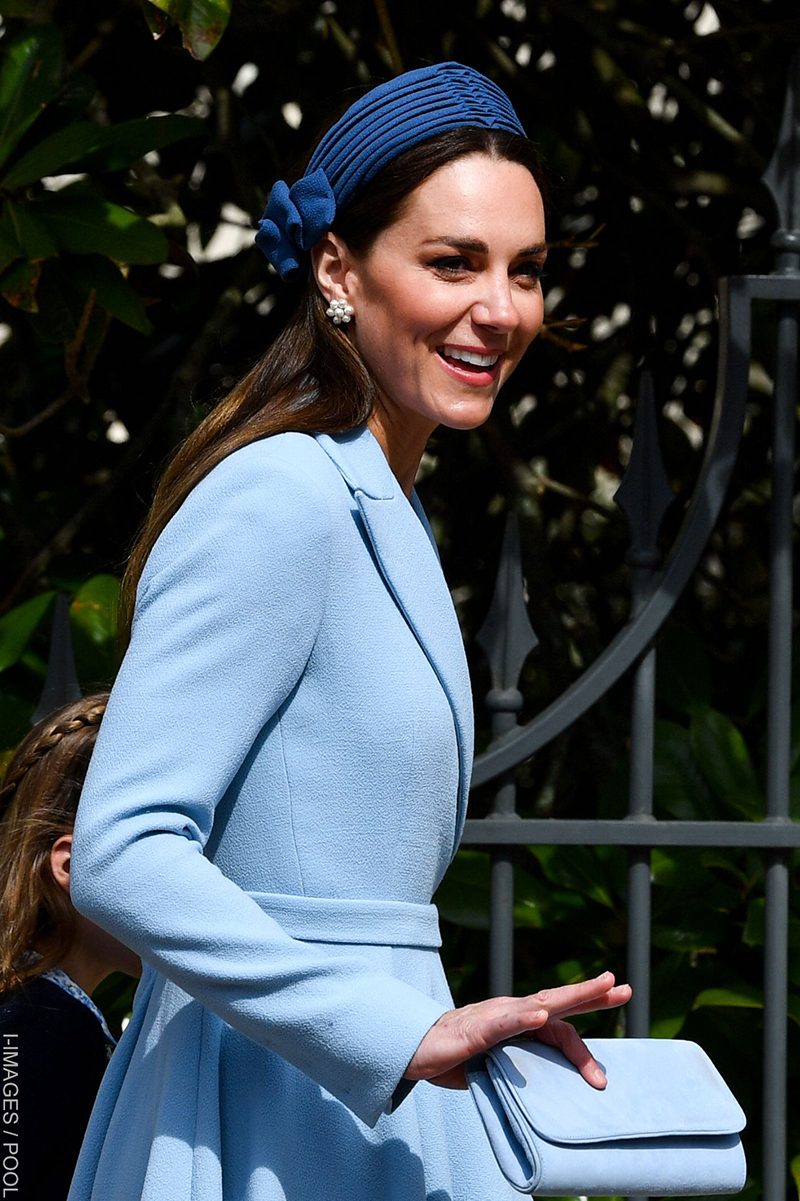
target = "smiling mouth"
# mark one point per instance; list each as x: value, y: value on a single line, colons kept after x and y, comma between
x: 469, y: 360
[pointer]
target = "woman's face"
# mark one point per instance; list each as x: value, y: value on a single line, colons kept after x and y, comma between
x: 448, y: 298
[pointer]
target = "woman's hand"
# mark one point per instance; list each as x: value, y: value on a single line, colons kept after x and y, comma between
x: 461, y: 1033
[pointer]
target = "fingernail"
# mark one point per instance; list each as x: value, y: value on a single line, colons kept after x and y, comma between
x: 541, y: 1016
x: 600, y: 1077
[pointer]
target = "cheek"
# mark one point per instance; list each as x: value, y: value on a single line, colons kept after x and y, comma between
x: 407, y: 310
x: 532, y: 318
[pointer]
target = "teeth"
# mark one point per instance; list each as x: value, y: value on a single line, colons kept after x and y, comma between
x: 468, y: 356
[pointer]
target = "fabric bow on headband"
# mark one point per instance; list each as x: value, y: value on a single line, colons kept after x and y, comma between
x: 373, y: 131
x: 295, y: 220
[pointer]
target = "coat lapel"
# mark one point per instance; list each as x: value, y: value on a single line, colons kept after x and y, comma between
x: 406, y: 553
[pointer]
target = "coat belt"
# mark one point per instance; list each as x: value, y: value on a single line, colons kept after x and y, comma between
x: 360, y: 922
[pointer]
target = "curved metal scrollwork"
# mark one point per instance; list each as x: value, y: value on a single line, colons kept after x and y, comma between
x: 701, y: 517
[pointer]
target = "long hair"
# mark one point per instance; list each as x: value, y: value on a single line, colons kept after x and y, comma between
x: 38, y: 802
x: 311, y: 379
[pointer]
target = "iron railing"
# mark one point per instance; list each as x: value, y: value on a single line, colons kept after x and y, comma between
x: 507, y: 639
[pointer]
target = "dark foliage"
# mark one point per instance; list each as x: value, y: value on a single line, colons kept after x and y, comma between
x: 655, y: 122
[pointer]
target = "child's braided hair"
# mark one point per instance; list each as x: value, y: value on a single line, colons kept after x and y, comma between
x: 38, y: 802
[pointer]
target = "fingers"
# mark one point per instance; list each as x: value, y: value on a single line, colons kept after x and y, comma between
x: 619, y: 995
x: 491, y: 1022
x: 461, y: 1033
x: 587, y: 994
x: 560, y: 1034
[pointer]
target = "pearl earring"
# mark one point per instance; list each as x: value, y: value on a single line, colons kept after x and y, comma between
x: 340, y: 310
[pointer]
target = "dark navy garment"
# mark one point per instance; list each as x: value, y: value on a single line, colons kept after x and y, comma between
x: 54, y: 1057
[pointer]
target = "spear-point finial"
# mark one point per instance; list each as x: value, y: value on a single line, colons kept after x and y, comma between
x: 61, y: 682
x: 645, y: 493
x: 782, y: 176
x: 506, y: 636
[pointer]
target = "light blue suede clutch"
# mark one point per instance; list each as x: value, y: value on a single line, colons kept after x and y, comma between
x: 666, y: 1125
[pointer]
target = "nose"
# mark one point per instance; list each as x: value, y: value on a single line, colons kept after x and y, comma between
x: 495, y: 307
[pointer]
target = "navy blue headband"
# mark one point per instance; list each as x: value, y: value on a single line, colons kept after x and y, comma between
x: 378, y: 127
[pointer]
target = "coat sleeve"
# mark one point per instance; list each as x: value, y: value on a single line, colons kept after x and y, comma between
x: 227, y: 612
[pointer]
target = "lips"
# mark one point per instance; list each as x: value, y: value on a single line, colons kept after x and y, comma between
x: 475, y: 367
x: 478, y: 357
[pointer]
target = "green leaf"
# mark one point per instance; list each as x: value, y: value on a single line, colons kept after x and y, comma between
x: 18, y: 285
x: 678, y: 786
x: 23, y: 236
x: 94, y: 608
x: 577, y: 869
x: 93, y: 617
x: 667, y: 1027
x: 18, y: 626
x: 724, y: 760
x: 114, y: 999
x: 85, y: 225
x: 743, y: 997
x: 533, y: 901
x: 30, y: 77
x: 202, y: 22
x: 740, y: 997
x: 570, y: 971
x: 112, y: 290
x: 157, y: 22
x: 86, y: 144
x: 130, y: 140
x: 730, y: 863
x: 463, y: 895
x: 54, y: 153
x: 754, y: 927
x: 9, y: 249
x: 690, y: 931
x: 32, y: 236
x: 675, y: 982
x: 686, y: 871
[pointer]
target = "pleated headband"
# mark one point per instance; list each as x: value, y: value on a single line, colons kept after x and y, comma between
x: 373, y: 131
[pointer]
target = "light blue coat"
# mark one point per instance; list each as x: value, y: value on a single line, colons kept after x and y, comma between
x: 279, y: 783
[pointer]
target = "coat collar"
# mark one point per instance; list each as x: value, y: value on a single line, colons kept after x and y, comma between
x: 406, y: 554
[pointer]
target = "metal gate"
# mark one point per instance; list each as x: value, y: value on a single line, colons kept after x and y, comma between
x: 507, y: 638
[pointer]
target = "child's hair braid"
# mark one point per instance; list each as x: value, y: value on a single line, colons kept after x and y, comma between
x: 38, y: 803
x: 36, y: 745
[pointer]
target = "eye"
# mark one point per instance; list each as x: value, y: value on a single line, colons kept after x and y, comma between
x: 531, y: 269
x: 451, y: 264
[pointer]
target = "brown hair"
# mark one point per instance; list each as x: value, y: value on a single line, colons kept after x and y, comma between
x: 311, y: 379
x: 38, y: 802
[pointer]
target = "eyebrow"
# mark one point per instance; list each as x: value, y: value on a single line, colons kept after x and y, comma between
x: 477, y: 247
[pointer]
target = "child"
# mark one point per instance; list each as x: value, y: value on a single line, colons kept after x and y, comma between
x: 55, y: 1043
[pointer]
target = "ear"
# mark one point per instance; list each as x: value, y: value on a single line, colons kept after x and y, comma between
x: 333, y: 265
x: 60, y: 860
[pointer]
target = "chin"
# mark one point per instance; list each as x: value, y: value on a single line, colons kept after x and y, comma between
x: 469, y: 416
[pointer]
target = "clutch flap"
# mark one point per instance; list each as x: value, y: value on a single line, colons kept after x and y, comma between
x: 656, y: 1088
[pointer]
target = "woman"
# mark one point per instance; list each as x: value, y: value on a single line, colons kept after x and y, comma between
x: 55, y: 1041
x: 282, y: 775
